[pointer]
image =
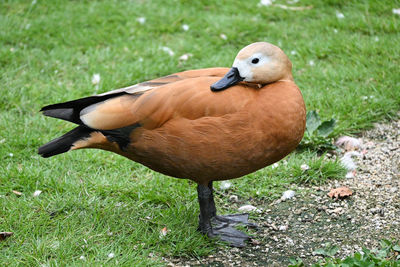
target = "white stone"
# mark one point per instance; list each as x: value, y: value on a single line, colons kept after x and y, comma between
x: 339, y: 15
x: 283, y: 228
x: 185, y: 57
x: 168, y: 50
x: 225, y: 185
x: 233, y: 198
x: 141, y: 20
x: 273, y: 166
x: 247, y: 208
x: 96, y: 79
x: 266, y: 2
x: 288, y: 194
x: 185, y: 27
x: 347, y: 160
x: 304, y: 167
x: 37, y: 193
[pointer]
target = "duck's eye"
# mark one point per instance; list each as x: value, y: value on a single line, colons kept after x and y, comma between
x: 255, y: 60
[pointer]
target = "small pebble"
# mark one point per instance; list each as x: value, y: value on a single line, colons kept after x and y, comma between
x: 141, y: 20
x: 283, y: 228
x: 339, y: 15
x: 350, y: 175
x: 248, y: 208
x: 288, y: 194
x: 396, y: 11
x: 37, y: 193
x: 266, y: 2
x: 233, y: 198
x: 185, y: 27
x: 224, y: 185
x: 304, y: 167
x: 96, y: 79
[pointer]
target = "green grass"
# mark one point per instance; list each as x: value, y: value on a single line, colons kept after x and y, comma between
x: 50, y: 50
x: 387, y: 255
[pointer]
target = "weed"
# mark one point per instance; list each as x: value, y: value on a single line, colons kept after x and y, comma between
x: 318, y: 133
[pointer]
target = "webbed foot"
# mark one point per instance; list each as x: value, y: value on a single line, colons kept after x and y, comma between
x: 223, y: 227
x: 219, y: 226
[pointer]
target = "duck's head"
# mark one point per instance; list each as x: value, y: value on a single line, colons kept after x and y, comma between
x: 259, y: 63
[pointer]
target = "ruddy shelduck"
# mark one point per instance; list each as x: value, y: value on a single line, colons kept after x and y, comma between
x: 204, y: 125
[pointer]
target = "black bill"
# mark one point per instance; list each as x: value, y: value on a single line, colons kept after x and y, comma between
x: 230, y: 79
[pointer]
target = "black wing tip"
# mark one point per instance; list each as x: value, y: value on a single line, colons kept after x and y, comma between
x: 47, y: 151
x: 52, y: 106
x: 44, y: 155
x: 64, y: 143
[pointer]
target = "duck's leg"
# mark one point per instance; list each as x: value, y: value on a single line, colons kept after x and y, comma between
x: 230, y: 218
x: 222, y: 226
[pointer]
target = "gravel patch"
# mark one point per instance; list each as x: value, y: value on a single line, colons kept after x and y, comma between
x: 298, y: 226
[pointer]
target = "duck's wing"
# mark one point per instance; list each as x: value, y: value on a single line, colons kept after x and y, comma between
x: 145, y: 86
x: 108, y: 121
x: 113, y: 105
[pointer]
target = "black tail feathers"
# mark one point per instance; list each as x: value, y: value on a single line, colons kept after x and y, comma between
x: 70, y: 111
x: 63, y: 143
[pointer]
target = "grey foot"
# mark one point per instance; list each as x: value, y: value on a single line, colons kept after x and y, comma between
x: 223, y: 227
x: 233, y: 219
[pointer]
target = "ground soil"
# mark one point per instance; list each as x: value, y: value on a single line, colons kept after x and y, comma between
x: 311, y: 220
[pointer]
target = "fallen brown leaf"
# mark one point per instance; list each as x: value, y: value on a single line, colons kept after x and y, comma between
x: 17, y: 193
x: 340, y: 192
x: 349, y: 143
x: 163, y: 232
x: 4, y: 235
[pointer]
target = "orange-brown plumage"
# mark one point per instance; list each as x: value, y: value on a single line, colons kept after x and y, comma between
x: 177, y: 126
x: 187, y: 131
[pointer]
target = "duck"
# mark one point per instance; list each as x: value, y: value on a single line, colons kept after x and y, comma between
x: 205, y: 125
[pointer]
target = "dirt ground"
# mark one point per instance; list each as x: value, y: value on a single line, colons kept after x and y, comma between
x: 312, y: 220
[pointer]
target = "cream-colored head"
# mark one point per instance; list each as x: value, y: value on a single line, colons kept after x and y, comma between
x: 260, y: 63
x: 263, y: 63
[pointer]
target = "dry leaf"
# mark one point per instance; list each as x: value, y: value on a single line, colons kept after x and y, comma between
x: 349, y: 143
x: 17, y: 193
x: 163, y: 232
x: 340, y: 192
x: 295, y: 8
x: 4, y: 235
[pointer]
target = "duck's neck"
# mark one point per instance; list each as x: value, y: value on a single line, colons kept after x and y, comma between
x: 288, y: 77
